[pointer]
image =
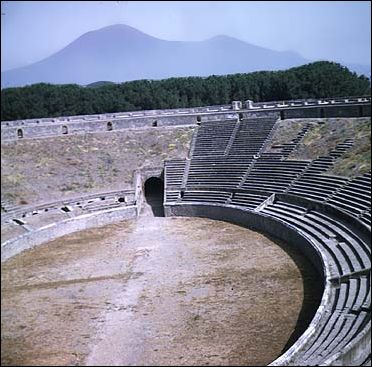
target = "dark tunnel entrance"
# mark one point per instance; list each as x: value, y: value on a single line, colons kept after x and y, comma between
x: 154, y: 194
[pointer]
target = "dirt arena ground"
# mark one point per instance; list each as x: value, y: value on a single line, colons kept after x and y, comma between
x: 155, y: 291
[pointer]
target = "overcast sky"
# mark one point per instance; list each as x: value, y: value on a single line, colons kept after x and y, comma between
x: 332, y: 30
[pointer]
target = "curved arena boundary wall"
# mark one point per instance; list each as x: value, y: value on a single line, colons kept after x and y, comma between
x: 356, y: 351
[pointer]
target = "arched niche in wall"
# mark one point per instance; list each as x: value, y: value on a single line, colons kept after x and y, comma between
x: 154, y: 194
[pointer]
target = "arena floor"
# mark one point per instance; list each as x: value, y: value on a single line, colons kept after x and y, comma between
x: 155, y: 291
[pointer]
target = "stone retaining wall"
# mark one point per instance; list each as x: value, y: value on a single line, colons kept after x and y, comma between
x: 52, y: 231
x: 47, y: 127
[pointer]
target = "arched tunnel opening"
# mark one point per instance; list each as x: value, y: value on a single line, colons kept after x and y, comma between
x: 154, y: 194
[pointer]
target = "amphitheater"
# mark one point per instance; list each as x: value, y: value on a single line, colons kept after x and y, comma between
x: 224, y: 174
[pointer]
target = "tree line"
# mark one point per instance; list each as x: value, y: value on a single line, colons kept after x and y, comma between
x: 316, y: 80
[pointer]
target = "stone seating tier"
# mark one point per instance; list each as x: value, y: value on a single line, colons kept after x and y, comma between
x: 84, y: 204
x: 174, y: 172
x: 248, y: 200
x: 207, y: 196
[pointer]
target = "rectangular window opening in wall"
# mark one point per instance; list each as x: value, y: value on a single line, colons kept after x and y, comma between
x: 64, y: 130
x: 360, y: 110
x: 19, y: 222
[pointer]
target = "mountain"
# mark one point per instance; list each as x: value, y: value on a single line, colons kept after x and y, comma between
x: 121, y: 53
x: 99, y: 84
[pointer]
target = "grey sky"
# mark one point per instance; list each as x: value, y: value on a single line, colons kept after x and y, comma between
x: 332, y: 30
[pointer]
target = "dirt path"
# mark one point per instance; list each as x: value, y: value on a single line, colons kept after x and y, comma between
x: 156, y: 291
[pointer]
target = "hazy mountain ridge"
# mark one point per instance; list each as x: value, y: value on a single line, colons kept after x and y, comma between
x: 121, y: 53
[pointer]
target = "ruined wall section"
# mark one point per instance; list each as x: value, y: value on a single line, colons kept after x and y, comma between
x: 29, y: 129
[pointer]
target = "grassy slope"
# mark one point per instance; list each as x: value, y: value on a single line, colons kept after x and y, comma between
x: 53, y: 168
x: 286, y: 131
x: 323, y: 138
